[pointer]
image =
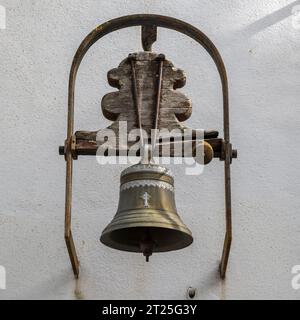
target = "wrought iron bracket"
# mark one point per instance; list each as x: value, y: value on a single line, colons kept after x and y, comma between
x: 222, y: 147
x: 149, y: 36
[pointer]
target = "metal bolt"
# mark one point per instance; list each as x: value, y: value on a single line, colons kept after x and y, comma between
x: 191, y: 292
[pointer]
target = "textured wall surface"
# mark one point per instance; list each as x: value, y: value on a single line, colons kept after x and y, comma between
x: 260, y: 48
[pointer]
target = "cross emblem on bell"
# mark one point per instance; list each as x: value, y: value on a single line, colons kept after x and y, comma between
x: 146, y: 196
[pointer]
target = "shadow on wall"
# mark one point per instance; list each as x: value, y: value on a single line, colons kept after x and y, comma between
x: 272, y: 19
x: 293, y: 9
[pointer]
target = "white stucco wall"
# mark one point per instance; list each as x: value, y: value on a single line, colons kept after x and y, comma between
x: 260, y: 48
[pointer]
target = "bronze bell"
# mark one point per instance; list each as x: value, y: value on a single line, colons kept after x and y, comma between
x: 146, y: 220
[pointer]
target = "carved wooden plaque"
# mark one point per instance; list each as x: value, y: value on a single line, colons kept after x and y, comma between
x: 120, y: 105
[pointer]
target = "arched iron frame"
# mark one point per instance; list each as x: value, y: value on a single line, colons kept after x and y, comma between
x: 146, y: 21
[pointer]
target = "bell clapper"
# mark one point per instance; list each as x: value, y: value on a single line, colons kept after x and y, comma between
x: 147, y: 245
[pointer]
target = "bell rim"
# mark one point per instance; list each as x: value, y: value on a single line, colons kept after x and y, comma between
x: 186, y: 242
x: 185, y: 233
x: 162, y: 225
x: 128, y: 217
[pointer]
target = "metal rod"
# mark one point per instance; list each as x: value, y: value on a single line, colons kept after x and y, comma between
x: 136, y: 98
x: 135, y: 93
x: 228, y: 234
x: 68, y: 208
x: 161, y: 59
